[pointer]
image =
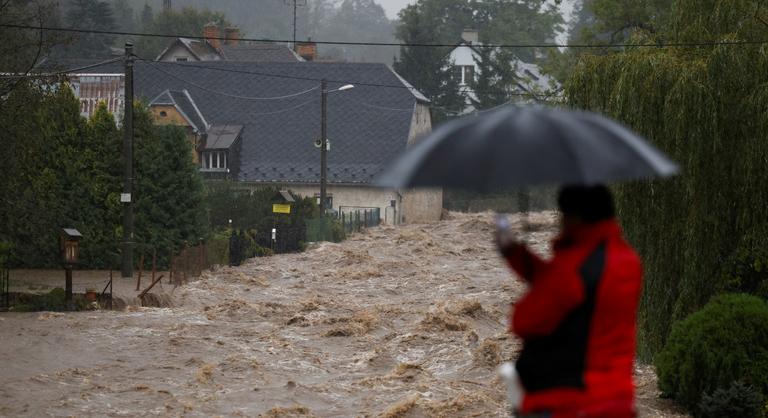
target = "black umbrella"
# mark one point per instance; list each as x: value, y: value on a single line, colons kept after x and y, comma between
x: 514, y: 147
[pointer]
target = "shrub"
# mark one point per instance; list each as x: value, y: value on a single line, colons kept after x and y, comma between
x: 739, y: 400
x: 725, y: 342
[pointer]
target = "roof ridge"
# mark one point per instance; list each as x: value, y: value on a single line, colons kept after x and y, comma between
x: 164, y: 92
x: 199, y: 113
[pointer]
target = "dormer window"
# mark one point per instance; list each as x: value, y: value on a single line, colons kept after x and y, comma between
x: 214, y: 160
x: 464, y: 74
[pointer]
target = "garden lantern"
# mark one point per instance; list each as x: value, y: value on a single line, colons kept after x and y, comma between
x: 70, y: 238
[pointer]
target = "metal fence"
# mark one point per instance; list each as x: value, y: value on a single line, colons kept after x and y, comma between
x: 355, y: 218
x: 350, y: 219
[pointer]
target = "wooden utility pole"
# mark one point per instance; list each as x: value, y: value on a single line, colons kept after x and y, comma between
x: 323, y: 146
x: 126, y: 198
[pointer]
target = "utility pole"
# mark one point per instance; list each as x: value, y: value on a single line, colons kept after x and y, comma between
x: 126, y: 198
x: 323, y: 146
x: 294, y: 25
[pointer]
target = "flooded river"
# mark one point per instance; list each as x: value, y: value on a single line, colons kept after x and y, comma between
x: 393, y: 322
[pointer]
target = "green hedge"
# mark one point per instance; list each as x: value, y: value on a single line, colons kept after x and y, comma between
x: 710, y: 350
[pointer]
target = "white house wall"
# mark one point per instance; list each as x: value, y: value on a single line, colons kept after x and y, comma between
x: 350, y: 195
x: 177, y: 51
x: 464, y: 55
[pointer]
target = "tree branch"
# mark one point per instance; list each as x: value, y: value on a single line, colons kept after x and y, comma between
x: 757, y: 13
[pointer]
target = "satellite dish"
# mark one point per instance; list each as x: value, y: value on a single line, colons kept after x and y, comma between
x: 318, y: 143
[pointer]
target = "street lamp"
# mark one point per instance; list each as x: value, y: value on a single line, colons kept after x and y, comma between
x: 324, y: 140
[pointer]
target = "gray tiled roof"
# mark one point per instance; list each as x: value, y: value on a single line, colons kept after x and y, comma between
x: 259, y: 53
x: 185, y: 104
x: 222, y: 136
x: 201, y: 48
x: 367, y: 126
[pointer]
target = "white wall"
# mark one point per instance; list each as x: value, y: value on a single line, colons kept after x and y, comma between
x: 178, y: 51
x: 463, y: 55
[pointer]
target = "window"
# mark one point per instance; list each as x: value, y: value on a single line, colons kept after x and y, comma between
x: 214, y: 160
x: 464, y: 74
x: 469, y: 74
x: 456, y: 73
x: 163, y: 113
x: 182, y: 59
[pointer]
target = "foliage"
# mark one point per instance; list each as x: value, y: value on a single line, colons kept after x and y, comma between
x: 187, y: 21
x: 22, y: 49
x: 92, y: 15
x: 51, y: 301
x: 66, y: 172
x: 251, y: 211
x: 125, y: 19
x: 325, y: 229
x: 738, y: 400
x: 427, y: 68
x: 217, y: 247
x: 361, y: 20
x: 169, y: 191
x: 612, y: 21
x: 442, y: 22
x: 704, y: 232
x: 603, y: 22
x: 725, y: 342
x: 497, y: 80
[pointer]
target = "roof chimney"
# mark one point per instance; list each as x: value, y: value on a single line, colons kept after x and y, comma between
x: 232, y: 34
x: 211, y: 34
x: 470, y: 36
x: 307, y: 50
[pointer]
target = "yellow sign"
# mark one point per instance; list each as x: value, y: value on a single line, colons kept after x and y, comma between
x: 281, y: 208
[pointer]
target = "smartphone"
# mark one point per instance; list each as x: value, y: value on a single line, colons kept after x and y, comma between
x: 502, y: 222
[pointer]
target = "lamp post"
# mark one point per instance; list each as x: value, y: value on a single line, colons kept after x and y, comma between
x: 324, y: 140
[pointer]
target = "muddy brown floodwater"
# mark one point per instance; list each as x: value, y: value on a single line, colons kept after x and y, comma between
x: 394, y: 322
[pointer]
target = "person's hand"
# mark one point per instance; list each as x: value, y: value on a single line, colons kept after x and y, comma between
x: 505, y: 239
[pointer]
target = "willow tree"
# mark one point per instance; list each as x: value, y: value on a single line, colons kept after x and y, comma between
x: 705, y: 231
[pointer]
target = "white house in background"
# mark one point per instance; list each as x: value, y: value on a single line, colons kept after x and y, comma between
x: 464, y: 58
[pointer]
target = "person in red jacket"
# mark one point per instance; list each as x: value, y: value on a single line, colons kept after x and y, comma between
x: 578, y: 317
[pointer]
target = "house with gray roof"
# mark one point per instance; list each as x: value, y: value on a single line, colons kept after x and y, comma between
x: 530, y: 81
x: 261, y: 122
x: 215, y: 47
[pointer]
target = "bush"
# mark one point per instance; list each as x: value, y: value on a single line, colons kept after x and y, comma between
x: 725, y: 342
x: 51, y: 301
x: 739, y: 400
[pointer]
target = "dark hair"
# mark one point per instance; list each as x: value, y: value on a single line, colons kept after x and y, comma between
x: 590, y: 203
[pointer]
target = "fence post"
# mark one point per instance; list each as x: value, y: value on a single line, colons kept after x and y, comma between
x: 171, y: 275
x: 141, y: 269
x: 185, y: 262
x: 154, y: 262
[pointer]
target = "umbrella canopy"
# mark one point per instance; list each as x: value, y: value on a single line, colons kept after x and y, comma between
x: 514, y: 147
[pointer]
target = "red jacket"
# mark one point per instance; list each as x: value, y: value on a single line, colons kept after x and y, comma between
x: 578, y: 323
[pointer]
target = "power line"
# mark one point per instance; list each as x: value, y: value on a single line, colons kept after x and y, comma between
x: 234, y: 96
x: 62, y: 72
x: 283, y: 110
x: 659, y: 44
x: 356, y: 83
